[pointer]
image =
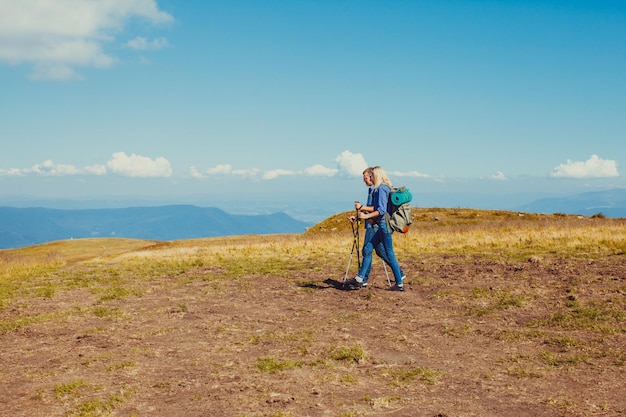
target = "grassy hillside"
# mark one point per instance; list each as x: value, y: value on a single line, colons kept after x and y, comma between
x: 505, y: 314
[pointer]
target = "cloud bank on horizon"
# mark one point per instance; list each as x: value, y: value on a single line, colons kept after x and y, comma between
x: 348, y: 164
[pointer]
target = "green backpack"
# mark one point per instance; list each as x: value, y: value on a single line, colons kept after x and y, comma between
x: 399, y: 218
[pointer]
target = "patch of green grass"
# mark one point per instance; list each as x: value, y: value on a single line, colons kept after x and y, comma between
x: 490, y: 300
x: 518, y: 335
x: 521, y: 366
x: 348, y: 379
x: 23, y: 321
x: 70, y: 389
x: 25, y: 278
x: 16, y: 323
x: 595, y: 317
x: 122, y: 365
x: 523, y: 371
x: 557, y: 360
x: 46, y: 290
x: 354, y: 353
x: 107, y: 312
x: 402, y: 377
x: 95, y: 359
x: 273, y: 366
x: 97, y: 407
x: 563, y: 342
x: 500, y: 298
x: 118, y: 293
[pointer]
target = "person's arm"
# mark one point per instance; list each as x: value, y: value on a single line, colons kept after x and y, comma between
x: 364, y: 207
x: 361, y: 207
x: 365, y: 215
x: 383, y: 200
x: 378, y: 209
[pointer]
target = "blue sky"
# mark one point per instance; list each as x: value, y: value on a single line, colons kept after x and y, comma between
x: 278, y: 104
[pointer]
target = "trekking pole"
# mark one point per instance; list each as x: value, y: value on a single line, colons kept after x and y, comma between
x: 355, y: 245
x: 358, y: 242
x: 386, y: 273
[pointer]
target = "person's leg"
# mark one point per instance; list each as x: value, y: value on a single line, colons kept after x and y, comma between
x: 380, y: 251
x: 393, y: 262
x: 369, y: 233
x: 368, y: 250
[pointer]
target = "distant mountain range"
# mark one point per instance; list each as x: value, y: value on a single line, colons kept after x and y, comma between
x: 29, y: 226
x: 611, y: 203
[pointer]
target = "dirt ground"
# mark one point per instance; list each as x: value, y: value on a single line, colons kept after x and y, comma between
x: 469, y: 337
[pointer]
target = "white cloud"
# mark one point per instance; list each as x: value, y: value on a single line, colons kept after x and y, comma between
x: 95, y: 169
x: 194, y: 173
x: 275, y: 173
x: 227, y: 169
x: 594, y: 167
x: 139, y: 166
x: 50, y: 169
x: 499, y: 175
x: 224, y: 169
x: 408, y: 174
x: 58, y: 36
x: 256, y: 173
x: 348, y: 164
x: 319, y: 170
x: 121, y: 164
x: 351, y: 164
x: 11, y: 172
x: 143, y: 44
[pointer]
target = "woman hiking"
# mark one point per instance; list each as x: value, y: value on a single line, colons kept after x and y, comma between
x: 378, y: 215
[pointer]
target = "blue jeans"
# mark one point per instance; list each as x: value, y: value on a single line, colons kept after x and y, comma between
x: 380, y: 236
x: 370, y: 231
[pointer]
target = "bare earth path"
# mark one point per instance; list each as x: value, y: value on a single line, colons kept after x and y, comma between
x: 470, y: 337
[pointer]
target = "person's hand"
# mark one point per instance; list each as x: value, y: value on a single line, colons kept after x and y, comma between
x: 357, y: 205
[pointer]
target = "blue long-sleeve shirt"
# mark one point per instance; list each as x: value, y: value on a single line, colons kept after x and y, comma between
x: 380, y: 200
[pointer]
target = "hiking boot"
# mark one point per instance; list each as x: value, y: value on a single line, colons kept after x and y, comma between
x: 397, y: 287
x: 353, y: 284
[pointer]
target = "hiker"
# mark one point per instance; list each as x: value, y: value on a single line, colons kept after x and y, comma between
x: 371, y: 227
x: 377, y: 213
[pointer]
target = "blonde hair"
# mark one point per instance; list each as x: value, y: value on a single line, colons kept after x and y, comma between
x: 379, y: 176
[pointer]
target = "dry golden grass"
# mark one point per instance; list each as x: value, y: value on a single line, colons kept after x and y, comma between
x: 495, y: 234
x: 504, y: 234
